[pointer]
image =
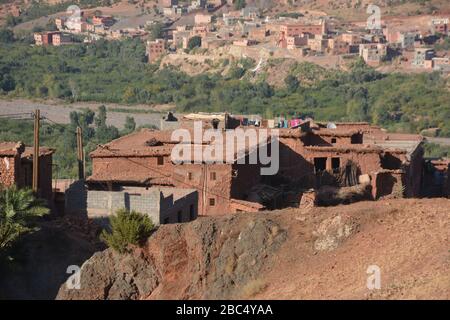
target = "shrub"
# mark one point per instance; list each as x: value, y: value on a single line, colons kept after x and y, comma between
x: 18, y: 209
x: 127, y: 228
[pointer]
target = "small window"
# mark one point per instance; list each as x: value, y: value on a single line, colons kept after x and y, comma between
x: 212, y: 202
x: 160, y: 161
x: 212, y: 175
x: 333, y: 140
x: 180, y: 216
x: 189, y: 175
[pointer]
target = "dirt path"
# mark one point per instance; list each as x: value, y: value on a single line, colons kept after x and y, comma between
x: 58, y: 111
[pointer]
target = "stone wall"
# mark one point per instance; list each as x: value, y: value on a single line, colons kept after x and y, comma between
x: 9, y: 170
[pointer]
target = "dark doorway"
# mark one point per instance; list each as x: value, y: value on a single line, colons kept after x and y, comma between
x: 320, y: 164
x: 335, y: 164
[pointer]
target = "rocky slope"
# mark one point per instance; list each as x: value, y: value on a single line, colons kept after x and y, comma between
x: 287, y: 254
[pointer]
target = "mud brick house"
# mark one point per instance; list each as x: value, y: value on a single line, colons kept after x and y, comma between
x: 391, y: 160
x: 16, y: 167
x: 143, y: 159
x: 307, y: 155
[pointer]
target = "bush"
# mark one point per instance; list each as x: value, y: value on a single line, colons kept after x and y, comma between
x: 127, y: 228
x: 18, y: 210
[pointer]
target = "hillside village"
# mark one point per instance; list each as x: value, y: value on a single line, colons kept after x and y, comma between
x: 320, y: 164
x: 248, y: 32
x: 262, y: 190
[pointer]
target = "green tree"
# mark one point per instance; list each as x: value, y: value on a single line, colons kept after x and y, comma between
x: 239, y: 4
x: 127, y: 228
x: 130, y: 125
x: 100, y: 119
x: 18, y: 209
x: 194, y: 42
x: 6, y: 36
x: 156, y: 31
x: 292, y: 83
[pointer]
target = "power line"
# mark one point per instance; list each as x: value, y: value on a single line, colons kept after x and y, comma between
x: 170, y: 176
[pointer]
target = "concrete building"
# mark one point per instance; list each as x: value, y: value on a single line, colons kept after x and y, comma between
x: 59, y: 39
x: 440, y: 25
x: 155, y: 49
x: 162, y: 205
x: 168, y: 3
x: 295, y: 42
x: 318, y: 44
x: 202, y: 19
x: 373, y: 53
x: 16, y: 167
x: 423, y: 58
x: 106, y: 21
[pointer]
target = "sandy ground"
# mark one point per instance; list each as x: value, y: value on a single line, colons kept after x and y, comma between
x: 59, y: 112
x: 409, y: 240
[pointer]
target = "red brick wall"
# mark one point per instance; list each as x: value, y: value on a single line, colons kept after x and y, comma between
x: 9, y: 169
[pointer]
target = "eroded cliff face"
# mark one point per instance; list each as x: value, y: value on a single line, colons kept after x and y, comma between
x: 211, y: 258
x: 313, y: 253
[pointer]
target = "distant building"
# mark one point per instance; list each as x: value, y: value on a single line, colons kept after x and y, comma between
x: 350, y: 38
x: 201, y: 19
x: 155, y: 49
x: 106, y: 21
x: 373, y: 53
x: 407, y: 40
x: 318, y: 44
x: 258, y: 33
x: 295, y: 30
x: 338, y: 47
x: 423, y: 58
x: 59, y: 39
x: 45, y: 38
x: 441, y: 64
x: 296, y: 41
x: 168, y: 3
x: 60, y: 23
x: 440, y: 25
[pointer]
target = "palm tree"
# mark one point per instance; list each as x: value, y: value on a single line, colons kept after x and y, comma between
x: 18, y: 207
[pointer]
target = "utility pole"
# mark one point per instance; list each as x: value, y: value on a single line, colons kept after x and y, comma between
x: 80, y: 153
x: 37, y: 116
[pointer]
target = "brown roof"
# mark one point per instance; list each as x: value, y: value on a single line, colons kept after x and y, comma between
x: 11, y: 148
x: 43, y: 151
x: 142, y: 144
x: 336, y: 132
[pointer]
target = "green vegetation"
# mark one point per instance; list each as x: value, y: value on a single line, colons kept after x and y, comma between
x: 156, y: 31
x: 434, y: 150
x: 127, y: 228
x: 39, y: 9
x: 239, y: 4
x: 194, y: 42
x: 18, y: 210
x: 62, y: 137
x: 116, y: 72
